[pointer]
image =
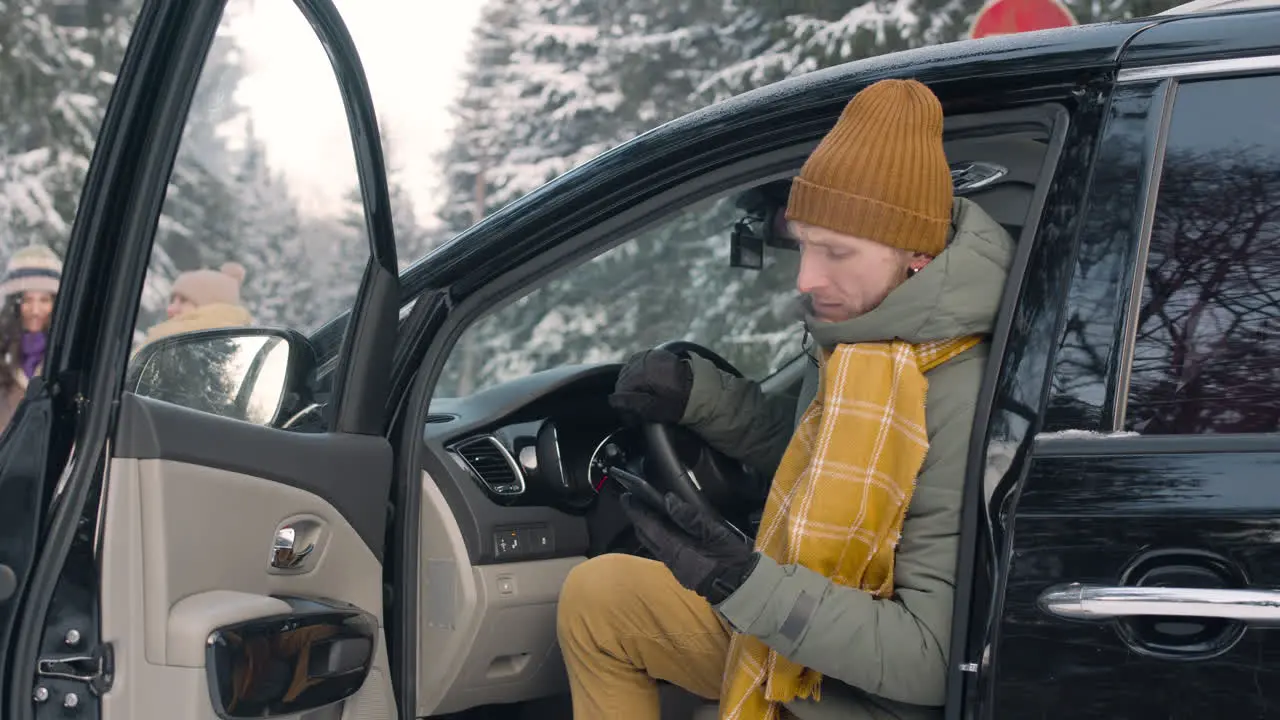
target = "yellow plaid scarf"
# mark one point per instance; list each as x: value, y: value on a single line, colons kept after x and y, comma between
x: 839, y: 497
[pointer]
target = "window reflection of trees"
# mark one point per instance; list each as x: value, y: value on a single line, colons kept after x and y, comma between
x: 202, y: 376
x: 1209, y: 322
x: 1101, y: 280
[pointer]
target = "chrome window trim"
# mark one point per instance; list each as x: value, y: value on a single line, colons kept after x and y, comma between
x: 1201, y: 68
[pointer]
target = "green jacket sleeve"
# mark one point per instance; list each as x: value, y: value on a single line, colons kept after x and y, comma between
x: 895, y: 648
x: 736, y: 418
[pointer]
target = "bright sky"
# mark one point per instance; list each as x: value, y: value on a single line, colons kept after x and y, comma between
x: 413, y: 53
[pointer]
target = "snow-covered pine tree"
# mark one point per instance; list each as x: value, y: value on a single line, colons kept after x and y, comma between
x: 793, y: 37
x: 565, y: 109
x: 412, y: 239
x: 806, y: 35
x: 199, y: 221
x: 530, y: 110
x: 652, y: 61
x: 536, y: 102
x: 339, y: 253
x: 484, y: 113
x: 657, y: 54
x: 54, y: 84
x: 277, y: 290
x: 344, y: 248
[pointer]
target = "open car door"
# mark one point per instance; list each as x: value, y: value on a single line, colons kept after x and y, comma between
x: 166, y: 559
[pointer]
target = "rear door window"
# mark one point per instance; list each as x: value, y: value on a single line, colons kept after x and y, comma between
x: 1208, y: 323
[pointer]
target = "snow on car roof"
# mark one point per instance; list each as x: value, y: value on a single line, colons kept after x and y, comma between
x: 1200, y: 6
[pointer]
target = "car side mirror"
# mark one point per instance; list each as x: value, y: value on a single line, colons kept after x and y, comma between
x: 257, y: 375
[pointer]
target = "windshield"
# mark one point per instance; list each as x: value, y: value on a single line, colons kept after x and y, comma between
x: 673, y: 281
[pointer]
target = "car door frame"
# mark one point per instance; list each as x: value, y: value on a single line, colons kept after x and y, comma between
x: 108, y: 253
x: 1180, y: 47
x: 1026, y: 374
x: 1055, y: 192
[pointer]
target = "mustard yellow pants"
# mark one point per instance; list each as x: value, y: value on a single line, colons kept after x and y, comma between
x: 624, y: 623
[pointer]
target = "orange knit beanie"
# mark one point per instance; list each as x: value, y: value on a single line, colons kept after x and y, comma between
x: 881, y: 173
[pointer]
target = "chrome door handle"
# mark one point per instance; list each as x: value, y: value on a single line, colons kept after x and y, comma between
x: 292, y: 544
x: 1102, y: 602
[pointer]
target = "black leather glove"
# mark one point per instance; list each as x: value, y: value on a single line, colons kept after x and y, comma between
x: 653, y: 386
x: 703, y: 554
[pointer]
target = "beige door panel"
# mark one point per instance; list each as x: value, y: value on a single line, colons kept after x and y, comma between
x: 486, y: 634
x: 187, y: 548
x: 194, y: 617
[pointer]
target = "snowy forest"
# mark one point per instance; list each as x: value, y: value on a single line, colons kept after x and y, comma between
x: 552, y: 83
x: 548, y: 84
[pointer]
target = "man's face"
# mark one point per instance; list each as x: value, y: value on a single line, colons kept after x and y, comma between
x: 35, y: 309
x: 846, y: 276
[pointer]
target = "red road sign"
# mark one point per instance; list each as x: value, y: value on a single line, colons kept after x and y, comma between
x: 1004, y: 17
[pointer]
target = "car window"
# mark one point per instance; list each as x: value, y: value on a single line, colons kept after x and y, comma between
x: 1208, y: 327
x: 671, y: 282
x: 1085, y: 364
x: 245, y: 238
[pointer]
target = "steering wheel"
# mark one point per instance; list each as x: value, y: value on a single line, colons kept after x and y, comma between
x: 683, y: 463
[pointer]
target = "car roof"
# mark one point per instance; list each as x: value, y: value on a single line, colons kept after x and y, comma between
x: 1207, y: 6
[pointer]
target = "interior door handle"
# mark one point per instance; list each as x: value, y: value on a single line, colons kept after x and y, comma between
x: 293, y: 543
x: 1101, y: 602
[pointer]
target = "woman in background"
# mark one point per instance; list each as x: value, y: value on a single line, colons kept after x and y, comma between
x: 28, y: 291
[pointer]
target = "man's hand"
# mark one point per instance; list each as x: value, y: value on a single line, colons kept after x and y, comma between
x: 653, y: 386
x: 703, y: 554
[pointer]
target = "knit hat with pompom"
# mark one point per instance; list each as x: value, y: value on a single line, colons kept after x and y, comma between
x: 33, y: 268
x: 206, y: 287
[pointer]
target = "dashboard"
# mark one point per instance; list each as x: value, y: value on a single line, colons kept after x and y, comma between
x: 562, y: 461
x: 524, y: 466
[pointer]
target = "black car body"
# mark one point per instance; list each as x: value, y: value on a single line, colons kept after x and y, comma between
x: 1119, y: 555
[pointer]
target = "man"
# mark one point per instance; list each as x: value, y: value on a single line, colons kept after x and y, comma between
x: 203, y: 299
x: 843, y: 607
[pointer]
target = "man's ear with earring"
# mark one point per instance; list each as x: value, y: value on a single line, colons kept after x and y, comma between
x: 918, y: 261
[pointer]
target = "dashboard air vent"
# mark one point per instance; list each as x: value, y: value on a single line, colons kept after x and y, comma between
x: 440, y: 418
x: 491, y: 464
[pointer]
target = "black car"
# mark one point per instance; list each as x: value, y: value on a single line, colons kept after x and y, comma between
x: 253, y: 523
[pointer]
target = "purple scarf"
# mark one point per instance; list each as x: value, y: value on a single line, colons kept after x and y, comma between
x: 33, y: 345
